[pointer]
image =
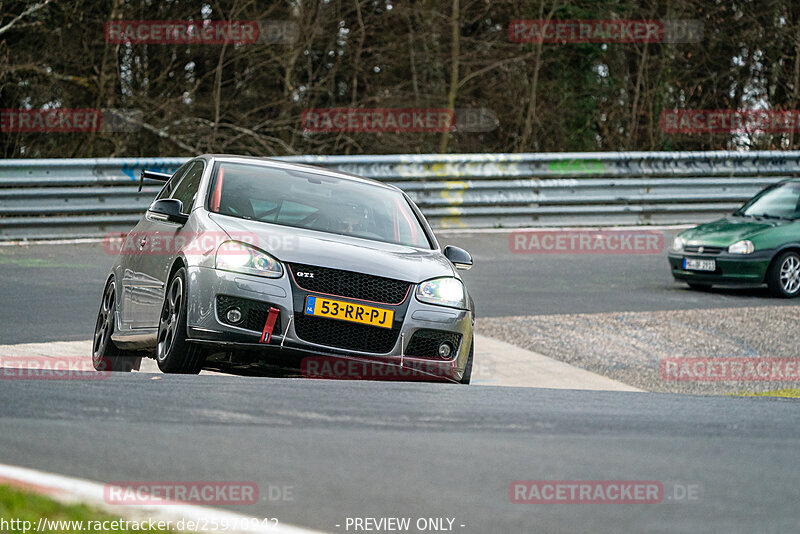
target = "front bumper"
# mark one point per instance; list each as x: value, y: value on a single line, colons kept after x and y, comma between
x: 205, y: 326
x: 733, y: 269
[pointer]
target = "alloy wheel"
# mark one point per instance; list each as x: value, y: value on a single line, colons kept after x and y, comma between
x: 170, y: 315
x: 790, y: 274
x: 105, y: 323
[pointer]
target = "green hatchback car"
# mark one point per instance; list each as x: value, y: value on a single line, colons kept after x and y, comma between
x: 757, y: 244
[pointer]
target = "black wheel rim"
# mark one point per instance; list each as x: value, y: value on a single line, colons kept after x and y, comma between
x: 105, y: 323
x: 170, y: 314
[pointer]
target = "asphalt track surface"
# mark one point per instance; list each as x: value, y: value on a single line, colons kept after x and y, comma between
x: 52, y: 292
x: 367, y: 449
x: 356, y: 449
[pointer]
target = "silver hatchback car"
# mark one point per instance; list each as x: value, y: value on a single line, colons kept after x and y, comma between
x: 247, y: 263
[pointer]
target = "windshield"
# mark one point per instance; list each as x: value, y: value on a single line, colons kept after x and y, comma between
x: 779, y: 202
x: 316, y: 202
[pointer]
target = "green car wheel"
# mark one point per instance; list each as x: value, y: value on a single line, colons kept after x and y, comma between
x: 783, y: 278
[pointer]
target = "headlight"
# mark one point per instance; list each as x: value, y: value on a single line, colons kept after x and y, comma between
x: 443, y: 292
x: 241, y: 258
x: 677, y: 244
x: 742, y: 247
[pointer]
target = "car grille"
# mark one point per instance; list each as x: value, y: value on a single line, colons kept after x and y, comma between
x: 695, y: 249
x: 349, y: 284
x: 344, y: 335
x: 425, y: 343
x: 254, y: 313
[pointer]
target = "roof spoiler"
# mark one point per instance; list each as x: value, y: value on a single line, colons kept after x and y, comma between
x: 153, y: 175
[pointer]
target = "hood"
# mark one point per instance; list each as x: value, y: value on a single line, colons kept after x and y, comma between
x: 727, y: 231
x: 310, y: 247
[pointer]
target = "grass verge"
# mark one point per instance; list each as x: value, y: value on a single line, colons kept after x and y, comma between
x: 21, y: 511
x: 786, y: 392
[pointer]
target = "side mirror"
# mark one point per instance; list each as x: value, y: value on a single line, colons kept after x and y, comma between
x: 168, y: 209
x: 459, y: 257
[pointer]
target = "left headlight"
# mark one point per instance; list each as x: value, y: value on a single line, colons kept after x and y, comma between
x: 242, y: 258
x: 443, y: 292
x: 741, y: 247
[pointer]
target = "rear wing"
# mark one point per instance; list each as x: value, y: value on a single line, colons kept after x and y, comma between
x: 153, y: 175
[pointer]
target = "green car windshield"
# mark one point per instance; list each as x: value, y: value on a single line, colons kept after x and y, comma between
x: 316, y: 202
x: 779, y: 202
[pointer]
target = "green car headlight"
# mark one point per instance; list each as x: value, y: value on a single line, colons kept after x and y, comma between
x: 447, y: 291
x: 242, y: 258
x: 742, y: 247
x: 677, y: 244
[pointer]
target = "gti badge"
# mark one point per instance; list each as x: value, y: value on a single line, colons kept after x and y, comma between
x: 301, y: 274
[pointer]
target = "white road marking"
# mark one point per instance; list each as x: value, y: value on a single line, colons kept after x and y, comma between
x: 498, y: 363
x: 72, y: 490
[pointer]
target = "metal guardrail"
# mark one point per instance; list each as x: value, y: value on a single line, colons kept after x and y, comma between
x: 57, y: 198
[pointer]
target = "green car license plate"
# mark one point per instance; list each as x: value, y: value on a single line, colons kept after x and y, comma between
x: 694, y: 264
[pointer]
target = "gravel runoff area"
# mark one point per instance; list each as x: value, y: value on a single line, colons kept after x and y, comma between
x: 630, y: 346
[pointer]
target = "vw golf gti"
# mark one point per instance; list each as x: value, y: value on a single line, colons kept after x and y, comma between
x: 250, y: 262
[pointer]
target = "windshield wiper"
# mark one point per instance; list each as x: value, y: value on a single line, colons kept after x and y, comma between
x: 769, y: 216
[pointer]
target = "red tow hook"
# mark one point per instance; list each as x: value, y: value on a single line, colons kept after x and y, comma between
x: 269, y: 325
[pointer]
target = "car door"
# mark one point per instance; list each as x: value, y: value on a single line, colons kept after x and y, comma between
x: 135, y: 288
x: 158, y: 252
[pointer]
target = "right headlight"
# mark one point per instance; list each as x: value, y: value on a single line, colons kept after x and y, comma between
x: 677, y: 244
x: 242, y: 258
x: 742, y: 247
x: 446, y: 291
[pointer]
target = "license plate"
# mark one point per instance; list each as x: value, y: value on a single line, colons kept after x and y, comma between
x: 347, y: 311
x: 693, y: 264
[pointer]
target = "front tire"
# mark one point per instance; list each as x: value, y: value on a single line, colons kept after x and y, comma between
x: 783, y: 277
x: 106, y: 356
x: 468, y: 368
x: 173, y: 353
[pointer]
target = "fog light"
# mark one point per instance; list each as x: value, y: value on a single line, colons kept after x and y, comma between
x: 445, y: 349
x: 234, y: 315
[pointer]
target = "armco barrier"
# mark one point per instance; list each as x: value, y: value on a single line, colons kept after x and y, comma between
x: 54, y: 198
